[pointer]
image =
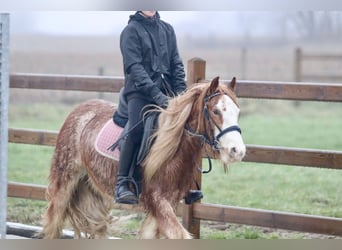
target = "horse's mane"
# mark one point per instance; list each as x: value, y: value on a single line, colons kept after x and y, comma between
x: 171, y: 124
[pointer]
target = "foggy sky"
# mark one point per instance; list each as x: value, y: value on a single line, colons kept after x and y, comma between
x: 111, y: 23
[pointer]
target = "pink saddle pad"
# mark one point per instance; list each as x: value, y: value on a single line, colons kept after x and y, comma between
x: 108, y: 135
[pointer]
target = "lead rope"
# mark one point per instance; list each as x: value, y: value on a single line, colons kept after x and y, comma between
x: 210, y: 165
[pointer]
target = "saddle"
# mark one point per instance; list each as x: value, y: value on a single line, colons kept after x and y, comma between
x: 111, y: 138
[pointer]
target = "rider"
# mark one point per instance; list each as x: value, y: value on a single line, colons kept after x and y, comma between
x: 153, y: 72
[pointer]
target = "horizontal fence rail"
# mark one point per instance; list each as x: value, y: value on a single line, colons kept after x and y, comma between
x: 301, y: 58
x: 67, y: 82
x: 315, y: 77
x: 255, y: 153
x: 322, y: 57
x: 290, y: 91
x: 267, y: 218
x: 249, y: 89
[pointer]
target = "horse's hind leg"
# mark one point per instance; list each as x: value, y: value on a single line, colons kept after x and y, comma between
x: 89, y: 212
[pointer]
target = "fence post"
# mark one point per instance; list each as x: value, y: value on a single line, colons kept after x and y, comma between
x: 298, y: 70
x: 4, y: 97
x: 298, y: 65
x: 195, y: 72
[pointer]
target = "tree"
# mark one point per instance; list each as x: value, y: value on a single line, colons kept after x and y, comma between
x: 317, y: 25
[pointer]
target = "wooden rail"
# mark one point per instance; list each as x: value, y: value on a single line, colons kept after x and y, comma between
x: 248, y: 89
x: 267, y: 218
x: 255, y: 153
x: 290, y: 91
x: 300, y: 57
x: 66, y: 82
x: 192, y: 214
x: 27, y: 191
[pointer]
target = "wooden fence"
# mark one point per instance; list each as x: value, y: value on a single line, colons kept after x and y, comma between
x: 192, y: 214
x: 301, y: 57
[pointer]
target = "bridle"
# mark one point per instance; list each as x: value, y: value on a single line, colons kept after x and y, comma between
x: 210, y: 137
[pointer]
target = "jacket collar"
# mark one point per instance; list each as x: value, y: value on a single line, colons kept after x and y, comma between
x: 138, y: 16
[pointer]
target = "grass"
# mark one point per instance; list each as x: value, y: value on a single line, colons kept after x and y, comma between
x: 282, y: 188
x: 38, y: 115
x: 280, y: 123
x: 279, y: 187
x: 266, y: 186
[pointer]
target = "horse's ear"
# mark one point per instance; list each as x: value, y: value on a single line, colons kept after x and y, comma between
x: 232, y: 84
x: 213, y: 85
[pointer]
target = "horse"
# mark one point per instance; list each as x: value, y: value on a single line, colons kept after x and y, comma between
x: 203, y: 119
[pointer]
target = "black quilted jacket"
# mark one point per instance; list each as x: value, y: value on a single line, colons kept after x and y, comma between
x: 150, y: 53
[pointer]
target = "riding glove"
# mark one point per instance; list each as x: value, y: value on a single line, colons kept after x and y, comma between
x: 161, y: 100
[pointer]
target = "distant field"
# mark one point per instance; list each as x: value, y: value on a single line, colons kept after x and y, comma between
x: 265, y: 122
x: 268, y: 60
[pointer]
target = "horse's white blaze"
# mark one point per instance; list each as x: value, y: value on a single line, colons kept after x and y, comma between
x: 232, y: 147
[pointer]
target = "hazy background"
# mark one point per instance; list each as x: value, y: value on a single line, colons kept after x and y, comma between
x: 247, y: 24
x: 256, y: 45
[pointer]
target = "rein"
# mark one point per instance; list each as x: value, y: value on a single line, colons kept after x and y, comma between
x: 212, y: 140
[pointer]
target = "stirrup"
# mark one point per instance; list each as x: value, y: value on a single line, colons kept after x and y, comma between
x: 127, y: 196
x: 130, y: 199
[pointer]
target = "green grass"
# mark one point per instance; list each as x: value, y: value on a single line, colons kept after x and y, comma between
x: 265, y: 186
x: 279, y: 123
x: 38, y: 115
x: 233, y: 231
x: 25, y: 211
x: 282, y: 188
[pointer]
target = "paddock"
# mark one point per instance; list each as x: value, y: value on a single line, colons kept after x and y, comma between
x: 192, y: 214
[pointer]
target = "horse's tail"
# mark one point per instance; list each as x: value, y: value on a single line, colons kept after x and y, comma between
x: 66, y: 169
x: 167, y: 138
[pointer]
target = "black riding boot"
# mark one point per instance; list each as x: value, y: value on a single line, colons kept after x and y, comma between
x: 123, y: 192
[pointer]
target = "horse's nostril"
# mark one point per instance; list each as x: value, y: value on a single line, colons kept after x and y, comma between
x: 233, y: 150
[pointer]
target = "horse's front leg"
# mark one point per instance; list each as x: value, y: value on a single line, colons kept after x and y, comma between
x: 149, y: 228
x: 168, y: 223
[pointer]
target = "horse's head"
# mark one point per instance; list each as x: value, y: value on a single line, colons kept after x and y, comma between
x: 220, y: 120
x: 204, y: 115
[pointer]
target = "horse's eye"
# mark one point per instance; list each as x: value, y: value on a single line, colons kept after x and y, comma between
x: 216, y: 112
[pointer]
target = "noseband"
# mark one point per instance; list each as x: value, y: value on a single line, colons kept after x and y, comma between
x: 212, y: 140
